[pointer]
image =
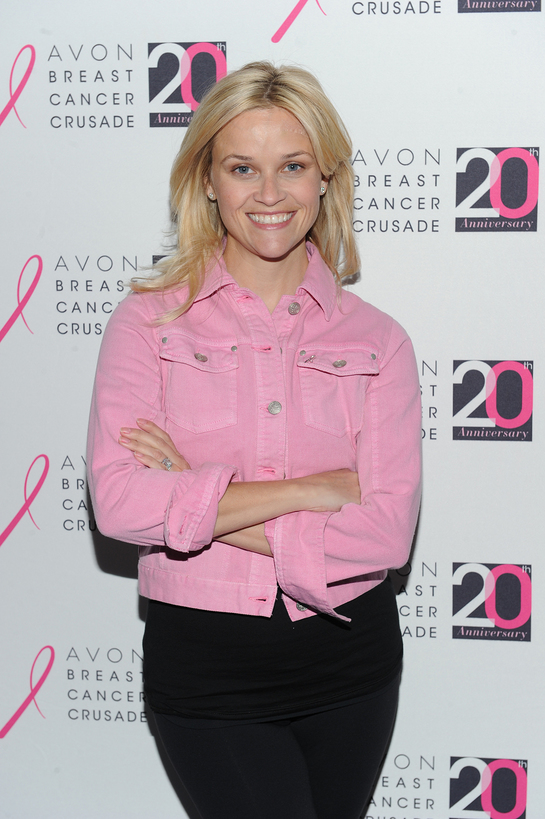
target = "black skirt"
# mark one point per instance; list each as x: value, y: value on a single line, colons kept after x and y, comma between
x: 221, y: 666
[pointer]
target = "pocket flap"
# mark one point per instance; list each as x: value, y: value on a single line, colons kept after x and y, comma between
x: 213, y: 357
x: 346, y: 361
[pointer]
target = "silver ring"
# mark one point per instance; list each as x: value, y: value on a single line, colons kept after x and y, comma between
x: 168, y: 463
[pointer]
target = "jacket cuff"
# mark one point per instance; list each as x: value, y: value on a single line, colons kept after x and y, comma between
x: 192, y: 508
x: 297, y: 545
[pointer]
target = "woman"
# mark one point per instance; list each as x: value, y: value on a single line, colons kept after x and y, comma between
x: 256, y: 430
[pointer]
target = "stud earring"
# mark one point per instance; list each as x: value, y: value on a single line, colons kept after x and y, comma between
x: 211, y: 196
x: 322, y: 190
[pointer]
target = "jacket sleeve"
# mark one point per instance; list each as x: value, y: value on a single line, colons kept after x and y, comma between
x: 131, y: 502
x: 314, y: 549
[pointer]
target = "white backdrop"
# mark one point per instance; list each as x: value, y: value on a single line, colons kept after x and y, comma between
x: 445, y: 108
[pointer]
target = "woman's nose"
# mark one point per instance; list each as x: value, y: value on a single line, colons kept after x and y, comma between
x: 269, y: 191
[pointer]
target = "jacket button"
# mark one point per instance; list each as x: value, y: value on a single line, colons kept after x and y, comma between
x: 300, y: 607
x: 373, y: 356
x: 201, y: 357
x: 340, y: 363
x: 164, y: 339
x: 294, y: 308
x: 274, y: 407
x: 234, y: 348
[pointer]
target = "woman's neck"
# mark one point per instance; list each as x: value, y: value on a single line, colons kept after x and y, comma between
x: 270, y: 279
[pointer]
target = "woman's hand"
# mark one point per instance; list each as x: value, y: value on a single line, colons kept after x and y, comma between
x: 333, y: 489
x: 152, y: 446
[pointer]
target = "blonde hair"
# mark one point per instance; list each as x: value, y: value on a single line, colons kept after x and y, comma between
x: 200, y: 231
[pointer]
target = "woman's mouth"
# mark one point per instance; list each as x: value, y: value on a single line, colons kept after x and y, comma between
x: 270, y: 218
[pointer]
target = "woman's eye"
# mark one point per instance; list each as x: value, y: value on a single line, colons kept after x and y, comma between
x: 242, y: 170
x: 293, y: 166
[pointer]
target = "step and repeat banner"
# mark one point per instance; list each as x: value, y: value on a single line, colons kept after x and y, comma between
x: 444, y: 103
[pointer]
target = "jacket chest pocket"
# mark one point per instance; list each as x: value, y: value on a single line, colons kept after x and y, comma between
x: 333, y: 385
x: 200, y: 382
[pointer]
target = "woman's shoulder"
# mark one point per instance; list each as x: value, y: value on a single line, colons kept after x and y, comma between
x: 365, y: 316
x: 148, y: 306
x: 373, y: 329
x: 137, y: 320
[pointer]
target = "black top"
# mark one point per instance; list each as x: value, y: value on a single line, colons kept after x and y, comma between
x: 219, y: 666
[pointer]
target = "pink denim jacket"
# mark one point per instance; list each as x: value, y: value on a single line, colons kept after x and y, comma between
x: 245, y: 396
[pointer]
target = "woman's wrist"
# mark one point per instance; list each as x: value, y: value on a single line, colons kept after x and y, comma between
x: 304, y: 493
x: 247, y: 504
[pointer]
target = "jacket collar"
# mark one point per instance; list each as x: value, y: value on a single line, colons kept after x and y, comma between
x: 319, y: 281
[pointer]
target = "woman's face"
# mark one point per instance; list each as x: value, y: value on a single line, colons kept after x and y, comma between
x: 267, y: 183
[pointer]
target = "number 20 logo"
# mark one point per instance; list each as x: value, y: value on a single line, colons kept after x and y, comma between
x: 491, y: 601
x: 500, y: 792
x: 179, y: 74
x: 503, y: 187
x: 493, y: 400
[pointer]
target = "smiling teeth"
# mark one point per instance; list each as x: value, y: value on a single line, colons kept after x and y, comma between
x: 272, y: 219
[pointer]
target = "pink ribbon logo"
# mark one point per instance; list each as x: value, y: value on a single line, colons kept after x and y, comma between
x: 22, y: 302
x: 29, y: 499
x: 34, y: 688
x: 290, y: 19
x: 15, y: 94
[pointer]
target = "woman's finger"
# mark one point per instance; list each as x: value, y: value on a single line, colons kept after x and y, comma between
x: 154, y: 451
x: 148, y: 461
x: 153, y: 429
x: 156, y: 458
x: 142, y: 448
x: 140, y: 438
x: 150, y: 428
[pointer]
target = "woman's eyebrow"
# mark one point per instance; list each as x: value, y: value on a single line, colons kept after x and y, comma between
x: 242, y: 158
x: 237, y: 156
x: 296, y: 153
